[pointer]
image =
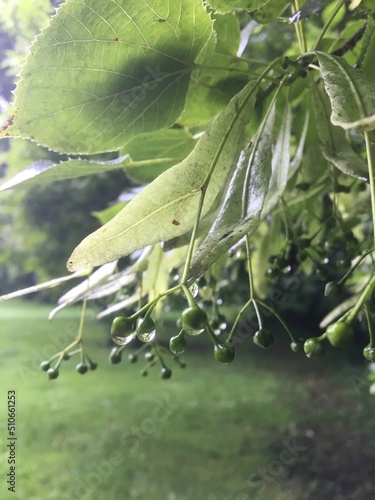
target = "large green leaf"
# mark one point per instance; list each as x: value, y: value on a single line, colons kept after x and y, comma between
x: 335, y: 146
x: 269, y: 12
x: 225, y: 6
x: 155, y: 152
x: 167, y: 207
x: 243, y: 204
x: 213, y: 86
x: 352, y: 96
x: 44, y: 172
x: 107, y: 70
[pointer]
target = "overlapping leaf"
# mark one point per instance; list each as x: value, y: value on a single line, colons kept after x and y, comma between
x: 237, y: 218
x: 225, y: 6
x: 107, y: 70
x: 352, y: 96
x: 167, y: 207
x: 335, y: 146
x: 155, y: 152
x: 44, y: 172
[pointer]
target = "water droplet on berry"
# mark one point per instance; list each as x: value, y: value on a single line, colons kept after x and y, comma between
x: 146, y: 337
x: 123, y: 340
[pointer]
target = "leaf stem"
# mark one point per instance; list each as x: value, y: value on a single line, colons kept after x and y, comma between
x: 371, y: 172
x: 299, y: 29
x: 277, y: 315
x: 331, y: 17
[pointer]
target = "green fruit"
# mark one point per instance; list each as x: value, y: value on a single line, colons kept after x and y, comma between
x: 150, y: 356
x: 45, y: 365
x: 340, y: 334
x: 165, y: 373
x: 122, y: 326
x: 369, y: 353
x: 115, y: 356
x: 224, y: 353
x: 263, y: 338
x: 93, y: 366
x: 82, y: 368
x: 297, y: 346
x: 133, y: 358
x: 193, y: 319
x: 314, y: 348
x: 332, y: 290
x: 52, y: 373
x: 320, y: 273
x: 178, y: 344
x: 146, y: 325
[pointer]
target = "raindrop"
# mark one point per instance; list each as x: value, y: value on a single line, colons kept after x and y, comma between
x: 146, y: 337
x: 123, y: 340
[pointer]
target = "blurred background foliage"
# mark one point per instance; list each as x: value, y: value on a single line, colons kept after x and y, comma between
x: 41, y: 225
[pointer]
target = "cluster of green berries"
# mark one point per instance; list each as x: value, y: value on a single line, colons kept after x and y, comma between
x: 82, y: 367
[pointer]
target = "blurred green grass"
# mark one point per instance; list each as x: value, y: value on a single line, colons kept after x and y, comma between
x: 273, y: 425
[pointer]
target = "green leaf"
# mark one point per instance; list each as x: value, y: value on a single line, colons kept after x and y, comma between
x: 107, y: 214
x: 211, y: 88
x: 225, y: 6
x: 250, y: 182
x: 281, y: 166
x: 44, y: 286
x: 167, y: 207
x: 352, y: 96
x: 44, y: 172
x: 155, y: 152
x: 269, y: 12
x: 368, y: 50
x: 105, y: 71
x: 335, y: 146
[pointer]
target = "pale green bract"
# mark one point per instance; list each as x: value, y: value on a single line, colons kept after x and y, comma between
x: 168, y: 207
x: 250, y: 182
x: 352, y: 96
x: 335, y: 146
x: 105, y: 71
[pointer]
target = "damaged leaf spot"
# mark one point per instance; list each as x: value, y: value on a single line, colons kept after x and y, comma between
x: 8, y: 123
x: 175, y: 222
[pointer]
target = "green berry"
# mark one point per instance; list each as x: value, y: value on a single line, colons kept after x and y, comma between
x: 297, y: 346
x: 332, y: 290
x: 133, y: 358
x: 320, y: 273
x: 45, y: 365
x: 122, y: 326
x: 314, y: 348
x: 115, y: 356
x: 82, y: 368
x: 52, y: 373
x: 150, y: 356
x: 193, y: 319
x: 93, y: 366
x: 146, y: 325
x: 340, y: 334
x: 178, y: 344
x: 165, y: 373
x: 263, y: 338
x: 369, y: 353
x: 224, y: 352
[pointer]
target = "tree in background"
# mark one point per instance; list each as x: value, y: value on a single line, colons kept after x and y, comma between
x: 251, y: 125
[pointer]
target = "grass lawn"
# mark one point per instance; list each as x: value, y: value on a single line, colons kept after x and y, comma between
x: 273, y: 425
